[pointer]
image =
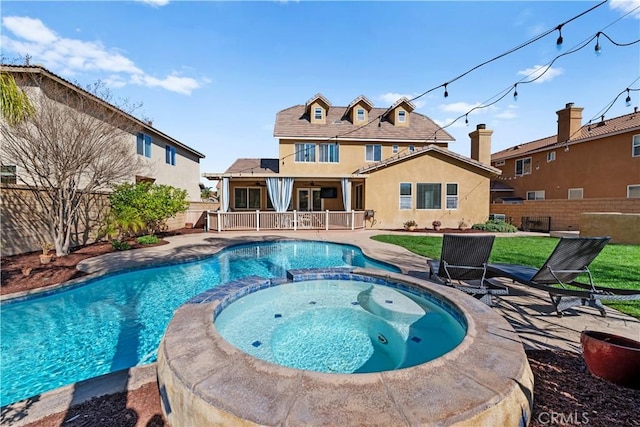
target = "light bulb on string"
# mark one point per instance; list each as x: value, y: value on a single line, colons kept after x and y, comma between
x: 446, y: 94
x: 515, y: 92
x: 628, y: 100
x: 560, y: 40
x: 598, y: 49
x: 466, y: 120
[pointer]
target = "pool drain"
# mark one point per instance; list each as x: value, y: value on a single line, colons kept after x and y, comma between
x: 382, y: 339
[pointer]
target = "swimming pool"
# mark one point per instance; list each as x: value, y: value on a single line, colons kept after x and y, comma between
x: 116, y: 322
x: 334, y: 325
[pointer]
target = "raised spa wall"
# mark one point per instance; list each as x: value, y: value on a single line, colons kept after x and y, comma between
x: 204, y: 380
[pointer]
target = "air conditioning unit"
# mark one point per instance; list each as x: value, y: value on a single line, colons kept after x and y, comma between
x: 498, y: 217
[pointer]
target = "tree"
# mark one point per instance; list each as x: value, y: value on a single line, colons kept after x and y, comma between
x: 16, y: 106
x: 153, y: 204
x: 73, y: 145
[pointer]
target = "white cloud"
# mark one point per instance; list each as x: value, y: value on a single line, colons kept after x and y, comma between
x: 626, y: 6
x: 391, y: 97
x: 156, y: 3
x: 448, y: 123
x: 32, y: 30
x: 541, y: 72
x: 508, y: 114
x: 69, y: 57
x: 458, y: 107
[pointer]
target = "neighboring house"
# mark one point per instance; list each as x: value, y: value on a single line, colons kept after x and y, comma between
x: 390, y: 163
x: 592, y: 161
x: 169, y: 161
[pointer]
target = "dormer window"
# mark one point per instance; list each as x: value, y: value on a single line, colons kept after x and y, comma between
x: 402, y: 116
x: 317, y: 113
x: 360, y: 114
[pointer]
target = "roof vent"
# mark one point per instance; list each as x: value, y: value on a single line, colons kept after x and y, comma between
x: 481, y: 126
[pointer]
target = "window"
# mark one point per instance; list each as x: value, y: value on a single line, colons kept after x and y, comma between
x: 329, y: 153
x: 247, y: 198
x: 405, y: 195
x: 170, y: 155
x: 500, y: 163
x: 402, y: 116
x: 428, y: 196
x: 317, y: 113
x: 360, y: 114
x: 551, y: 156
x: 635, y: 152
x: 633, y: 191
x: 395, y: 149
x: 305, y: 152
x: 8, y: 174
x: 412, y: 148
x: 535, y: 195
x: 575, y: 193
x: 452, y: 196
x: 373, y: 153
x: 143, y: 145
x: 523, y: 166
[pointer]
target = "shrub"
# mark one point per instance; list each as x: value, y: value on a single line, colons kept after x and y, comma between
x: 120, y: 246
x: 410, y: 223
x: 149, y: 239
x: 495, y: 226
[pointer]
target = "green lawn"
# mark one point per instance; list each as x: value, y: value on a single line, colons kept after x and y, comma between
x: 617, y: 266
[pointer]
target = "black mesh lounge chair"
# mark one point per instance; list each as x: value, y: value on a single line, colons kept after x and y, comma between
x: 570, y: 258
x: 464, y: 258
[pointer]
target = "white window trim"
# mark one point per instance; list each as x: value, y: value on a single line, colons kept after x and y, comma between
x: 629, y: 190
x: 402, y: 116
x: 551, y: 156
x: 295, y: 152
x: 535, y: 194
x: 317, y: 110
x: 635, y: 142
x: 329, y: 149
x: 409, y: 196
x: 395, y: 149
x: 412, y: 148
x: 429, y: 209
x: 364, y: 115
x: 374, y: 153
x: 457, y: 196
x: 575, y: 198
x: 523, y: 172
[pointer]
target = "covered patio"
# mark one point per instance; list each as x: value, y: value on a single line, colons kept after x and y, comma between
x: 265, y: 200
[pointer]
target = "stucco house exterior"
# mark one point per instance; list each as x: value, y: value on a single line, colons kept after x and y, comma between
x: 385, y: 166
x: 168, y: 160
x: 595, y: 160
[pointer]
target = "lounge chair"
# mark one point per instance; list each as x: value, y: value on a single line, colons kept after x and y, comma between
x: 464, y: 257
x: 570, y: 258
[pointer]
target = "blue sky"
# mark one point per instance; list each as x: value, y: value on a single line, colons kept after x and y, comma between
x: 214, y: 74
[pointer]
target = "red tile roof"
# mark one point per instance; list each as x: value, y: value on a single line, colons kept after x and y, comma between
x: 588, y: 132
x: 293, y: 123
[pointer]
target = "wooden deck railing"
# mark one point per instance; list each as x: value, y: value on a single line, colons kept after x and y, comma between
x: 292, y: 220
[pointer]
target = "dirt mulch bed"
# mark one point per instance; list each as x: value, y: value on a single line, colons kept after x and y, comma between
x: 25, y: 272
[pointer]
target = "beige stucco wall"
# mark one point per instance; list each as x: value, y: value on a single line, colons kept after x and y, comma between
x: 622, y: 227
x: 382, y: 192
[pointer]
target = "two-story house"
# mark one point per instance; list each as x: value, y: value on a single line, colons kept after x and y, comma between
x: 596, y: 160
x: 390, y: 164
x: 584, y: 168
x: 168, y: 160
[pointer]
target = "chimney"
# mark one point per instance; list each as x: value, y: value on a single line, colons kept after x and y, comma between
x: 569, y: 121
x: 481, y: 144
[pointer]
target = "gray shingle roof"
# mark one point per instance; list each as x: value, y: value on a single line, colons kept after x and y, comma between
x: 293, y: 123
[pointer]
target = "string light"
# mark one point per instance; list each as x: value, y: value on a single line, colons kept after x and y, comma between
x: 559, y: 40
x: 627, y: 101
x: 446, y: 94
x: 515, y: 92
x: 598, y: 49
x: 466, y: 120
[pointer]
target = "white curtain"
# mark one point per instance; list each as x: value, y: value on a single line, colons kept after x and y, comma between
x: 225, y: 194
x: 346, y: 194
x: 280, y: 191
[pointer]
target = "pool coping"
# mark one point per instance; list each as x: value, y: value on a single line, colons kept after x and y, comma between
x: 205, y: 380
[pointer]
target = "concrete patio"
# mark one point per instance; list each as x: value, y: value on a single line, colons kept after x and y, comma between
x: 529, y: 311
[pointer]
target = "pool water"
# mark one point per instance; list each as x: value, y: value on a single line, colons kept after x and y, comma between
x: 117, y: 322
x: 339, y: 326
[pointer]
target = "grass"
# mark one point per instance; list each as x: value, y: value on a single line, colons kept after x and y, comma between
x: 615, y: 267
